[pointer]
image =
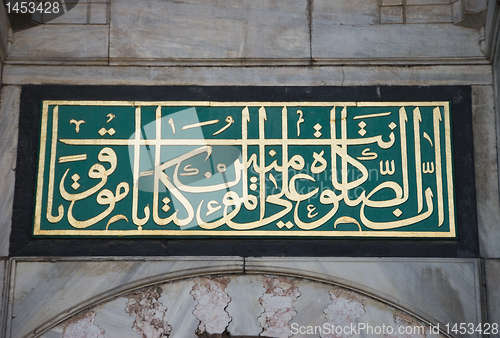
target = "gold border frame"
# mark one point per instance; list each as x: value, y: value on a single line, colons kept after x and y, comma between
x: 272, y: 233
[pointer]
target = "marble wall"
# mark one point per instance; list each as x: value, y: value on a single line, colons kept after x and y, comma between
x: 264, y: 42
x: 264, y: 32
x: 185, y: 295
x: 312, y: 310
x: 9, y: 116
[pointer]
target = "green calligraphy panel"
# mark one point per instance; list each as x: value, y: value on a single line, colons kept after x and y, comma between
x: 308, y: 169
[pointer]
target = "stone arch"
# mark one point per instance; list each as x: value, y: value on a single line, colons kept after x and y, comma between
x: 235, y: 305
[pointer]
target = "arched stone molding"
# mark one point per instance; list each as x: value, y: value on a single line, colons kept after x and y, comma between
x: 44, y: 294
x: 248, y: 305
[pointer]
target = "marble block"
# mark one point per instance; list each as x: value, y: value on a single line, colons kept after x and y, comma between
x: 486, y: 170
x: 333, y: 41
x: 438, y: 290
x: 352, y: 12
x: 48, y: 291
x: 428, y: 14
x: 246, y: 290
x: 252, y: 76
x: 2, y: 291
x: 200, y: 29
x: 44, y: 42
x: 9, y: 118
x: 492, y: 272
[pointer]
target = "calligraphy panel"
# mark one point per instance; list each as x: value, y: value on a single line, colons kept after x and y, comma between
x: 307, y: 169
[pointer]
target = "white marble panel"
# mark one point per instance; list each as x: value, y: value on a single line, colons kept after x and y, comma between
x: 77, y: 15
x: 9, y: 119
x: 492, y: 273
x: 61, y: 41
x: 427, y: 2
x: 391, y: 2
x: 180, y: 306
x: 245, y: 290
x: 417, y: 76
x: 428, y: 14
x: 2, y: 290
x: 112, y: 318
x: 391, y: 15
x: 98, y: 13
x: 54, y: 333
x: 446, y: 290
x: 278, y: 76
x: 51, y: 290
x: 457, y: 11
x: 333, y: 41
x: 352, y: 12
x: 208, y: 29
x: 310, y: 306
x: 486, y: 170
x: 377, y: 314
x: 308, y: 312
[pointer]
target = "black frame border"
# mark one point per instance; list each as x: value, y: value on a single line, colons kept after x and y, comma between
x: 466, y: 246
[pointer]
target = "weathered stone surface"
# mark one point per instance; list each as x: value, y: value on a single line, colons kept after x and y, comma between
x: 427, y: 2
x: 46, y: 292
x: 428, y: 14
x: 277, y: 76
x: 2, y: 290
x: 77, y: 15
x: 112, y: 318
x: 208, y: 29
x: 4, y: 33
x: 98, y: 13
x: 391, y: 2
x: 181, y: 304
x: 346, y: 307
x: 148, y: 312
x: 175, y: 298
x: 492, y: 272
x: 392, y: 41
x: 407, y: 324
x: 391, y: 14
x: 245, y: 290
x: 416, y: 76
x: 444, y: 290
x: 85, y: 42
x: 353, y: 12
x: 310, y: 306
x: 82, y: 326
x: 277, y: 302
x: 9, y: 119
x: 331, y: 305
x: 376, y: 314
x: 212, y: 301
x: 486, y: 170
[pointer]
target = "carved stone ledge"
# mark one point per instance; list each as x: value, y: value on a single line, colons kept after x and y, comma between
x: 469, y: 13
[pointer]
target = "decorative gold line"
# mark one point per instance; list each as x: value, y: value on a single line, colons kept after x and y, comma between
x: 370, y: 115
x: 197, y: 103
x: 43, y: 140
x: 52, y: 172
x: 245, y: 233
x: 41, y: 167
x: 449, y: 169
x: 262, y: 160
x: 417, y: 118
x: 152, y: 142
x: 72, y: 158
x: 243, y: 103
x: 404, y: 104
x: 439, y: 183
x: 200, y: 124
